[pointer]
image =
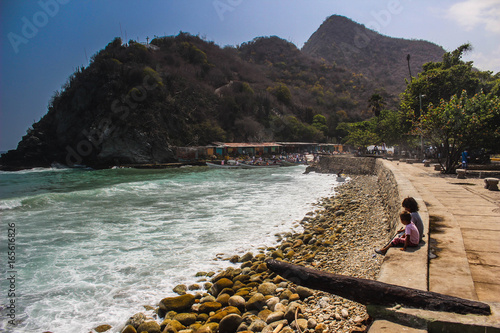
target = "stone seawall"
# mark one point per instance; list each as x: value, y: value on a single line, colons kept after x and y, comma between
x: 389, y: 191
x: 393, y: 186
x: 347, y: 164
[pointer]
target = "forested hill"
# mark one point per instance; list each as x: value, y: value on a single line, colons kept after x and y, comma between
x: 135, y: 102
x: 381, y: 59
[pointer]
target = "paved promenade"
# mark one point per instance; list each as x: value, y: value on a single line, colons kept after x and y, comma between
x: 464, y: 238
x: 464, y: 222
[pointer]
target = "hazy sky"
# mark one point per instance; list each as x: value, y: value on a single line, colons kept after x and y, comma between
x: 44, y: 41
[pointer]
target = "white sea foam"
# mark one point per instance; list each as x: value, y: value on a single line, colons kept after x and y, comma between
x: 10, y: 204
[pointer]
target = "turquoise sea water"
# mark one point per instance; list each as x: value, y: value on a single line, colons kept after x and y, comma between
x: 93, y: 247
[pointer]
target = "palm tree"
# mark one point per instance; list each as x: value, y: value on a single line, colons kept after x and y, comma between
x: 376, y: 102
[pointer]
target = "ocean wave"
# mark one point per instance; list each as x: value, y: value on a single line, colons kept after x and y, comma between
x: 34, y: 170
x: 10, y: 204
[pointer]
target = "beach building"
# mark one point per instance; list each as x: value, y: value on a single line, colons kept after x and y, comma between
x: 298, y: 147
x: 332, y: 148
x: 221, y: 149
x: 247, y: 148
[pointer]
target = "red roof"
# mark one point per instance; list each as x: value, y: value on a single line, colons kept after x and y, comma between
x: 248, y: 144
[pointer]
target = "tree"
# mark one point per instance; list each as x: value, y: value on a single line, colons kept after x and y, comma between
x: 459, y: 123
x: 441, y: 80
x: 389, y: 127
x: 282, y: 93
x: 386, y: 128
x: 438, y: 82
x: 376, y: 103
x: 289, y: 128
x: 360, y: 134
x: 319, y: 122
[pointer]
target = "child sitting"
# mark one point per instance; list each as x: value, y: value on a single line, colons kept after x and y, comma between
x: 410, y: 237
x: 411, y: 206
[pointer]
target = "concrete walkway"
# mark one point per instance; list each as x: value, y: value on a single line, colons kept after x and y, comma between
x: 464, y: 233
x: 464, y: 239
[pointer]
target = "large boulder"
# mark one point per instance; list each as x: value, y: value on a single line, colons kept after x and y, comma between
x: 223, y: 299
x: 290, y: 311
x: 177, y: 304
x: 236, y: 301
x: 180, y: 289
x: 257, y: 325
x: 129, y: 329
x: 267, y: 288
x: 271, y: 303
x: 256, y: 302
x: 185, y: 319
x: 149, y: 326
x: 102, y: 328
x: 209, y: 307
x: 173, y: 324
x: 246, y: 257
x: 218, y: 286
x: 230, y: 323
x: 136, y: 320
x: 304, y: 292
x: 208, y: 328
x: 275, y: 316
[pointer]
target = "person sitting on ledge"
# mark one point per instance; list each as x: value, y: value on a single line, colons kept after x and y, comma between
x: 410, y: 237
x: 411, y: 206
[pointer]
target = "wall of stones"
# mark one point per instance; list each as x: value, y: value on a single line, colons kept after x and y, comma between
x: 347, y: 164
x: 388, y: 189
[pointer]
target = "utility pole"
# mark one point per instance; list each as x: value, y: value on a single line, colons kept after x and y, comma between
x: 408, y: 60
x: 421, y: 135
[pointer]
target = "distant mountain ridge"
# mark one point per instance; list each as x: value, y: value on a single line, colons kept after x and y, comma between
x: 135, y: 103
x: 381, y: 59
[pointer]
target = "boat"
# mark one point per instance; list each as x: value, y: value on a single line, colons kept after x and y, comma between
x: 232, y: 164
x: 222, y: 166
x: 252, y: 166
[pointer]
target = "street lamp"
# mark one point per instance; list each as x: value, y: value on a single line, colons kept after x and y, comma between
x: 421, y: 136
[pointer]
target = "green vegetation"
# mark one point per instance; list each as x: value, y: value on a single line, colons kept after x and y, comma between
x: 385, y: 128
x: 450, y: 105
x: 453, y: 106
x: 282, y: 93
x: 462, y: 123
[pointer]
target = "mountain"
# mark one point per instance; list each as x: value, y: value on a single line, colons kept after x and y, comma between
x: 135, y: 103
x: 381, y: 59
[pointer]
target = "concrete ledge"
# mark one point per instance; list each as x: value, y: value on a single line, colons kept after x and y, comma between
x: 393, y: 269
x: 385, y: 326
x: 434, y: 321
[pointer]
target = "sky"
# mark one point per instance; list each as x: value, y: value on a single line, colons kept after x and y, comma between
x: 44, y: 41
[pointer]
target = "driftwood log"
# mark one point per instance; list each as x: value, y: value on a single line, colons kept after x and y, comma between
x: 373, y: 292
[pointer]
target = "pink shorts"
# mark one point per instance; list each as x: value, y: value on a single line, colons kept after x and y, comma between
x: 401, y: 241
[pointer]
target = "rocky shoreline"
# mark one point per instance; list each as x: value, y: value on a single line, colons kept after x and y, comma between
x: 338, y: 237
